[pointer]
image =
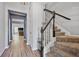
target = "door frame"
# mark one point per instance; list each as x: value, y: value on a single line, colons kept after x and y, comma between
x: 16, y: 13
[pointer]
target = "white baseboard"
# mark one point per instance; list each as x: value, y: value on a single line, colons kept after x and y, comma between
x: 6, y: 47
x: 2, y: 51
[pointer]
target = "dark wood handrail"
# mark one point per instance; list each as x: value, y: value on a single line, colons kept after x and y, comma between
x: 57, y: 14
x: 54, y: 24
x: 53, y: 12
x: 48, y: 23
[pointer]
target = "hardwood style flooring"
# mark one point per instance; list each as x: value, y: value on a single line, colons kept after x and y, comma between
x: 18, y: 48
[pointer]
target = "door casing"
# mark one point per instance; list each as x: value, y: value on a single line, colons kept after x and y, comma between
x: 15, y: 13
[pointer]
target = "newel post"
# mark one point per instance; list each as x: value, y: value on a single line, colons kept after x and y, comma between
x: 54, y: 24
x: 42, y: 39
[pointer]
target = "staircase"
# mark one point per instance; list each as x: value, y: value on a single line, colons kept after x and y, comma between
x: 65, y: 45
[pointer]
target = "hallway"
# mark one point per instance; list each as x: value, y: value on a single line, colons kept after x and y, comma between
x: 34, y: 29
x: 18, y: 48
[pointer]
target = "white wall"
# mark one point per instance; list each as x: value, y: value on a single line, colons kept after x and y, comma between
x: 15, y: 6
x: 69, y: 9
x: 36, y: 19
x: 2, y: 28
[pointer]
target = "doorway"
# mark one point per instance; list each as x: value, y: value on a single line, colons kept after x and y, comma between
x: 16, y: 25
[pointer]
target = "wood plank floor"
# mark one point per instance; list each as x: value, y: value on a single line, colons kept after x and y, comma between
x: 18, y: 48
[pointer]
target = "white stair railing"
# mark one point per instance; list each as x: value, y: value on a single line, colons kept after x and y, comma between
x: 45, y: 30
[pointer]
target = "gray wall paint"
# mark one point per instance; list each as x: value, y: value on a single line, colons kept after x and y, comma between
x: 2, y: 28
x: 69, y: 9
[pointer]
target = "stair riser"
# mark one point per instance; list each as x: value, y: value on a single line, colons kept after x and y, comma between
x: 60, y: 53
x: 60, y: 34
x: 58, y: 30
x: 70, y: 50
x: 68, y: 40
x: 55, y: 53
